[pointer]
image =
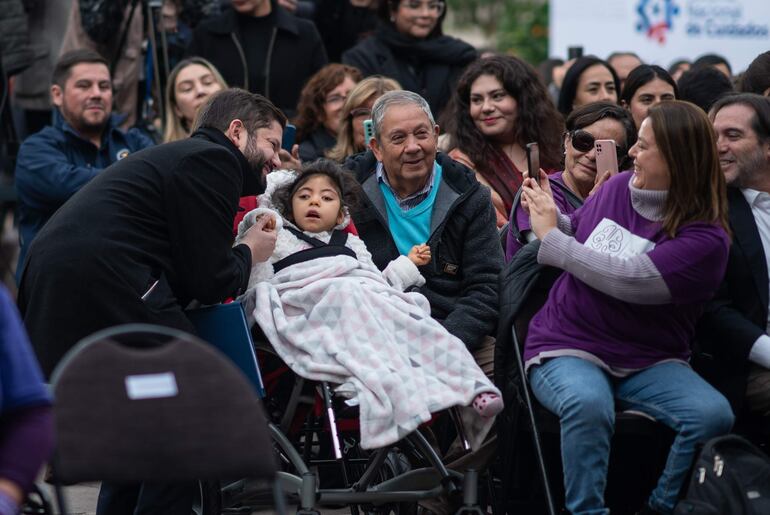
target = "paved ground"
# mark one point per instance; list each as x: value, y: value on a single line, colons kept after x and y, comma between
x: 81, y: 500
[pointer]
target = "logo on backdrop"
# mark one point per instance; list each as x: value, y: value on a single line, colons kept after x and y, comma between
x: 656, y: 18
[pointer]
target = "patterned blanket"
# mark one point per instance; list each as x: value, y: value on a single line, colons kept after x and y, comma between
x: 332, y: 320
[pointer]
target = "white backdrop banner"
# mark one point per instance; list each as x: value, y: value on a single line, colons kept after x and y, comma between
x: 662, y: 31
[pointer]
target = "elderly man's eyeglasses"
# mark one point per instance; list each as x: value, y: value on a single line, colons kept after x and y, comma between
x: 432, y: 6
x: 583, y: 141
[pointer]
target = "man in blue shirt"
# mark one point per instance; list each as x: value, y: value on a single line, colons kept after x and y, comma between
x: 56, y: 162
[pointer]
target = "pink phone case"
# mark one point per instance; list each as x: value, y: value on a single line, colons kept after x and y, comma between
x: 606, y: 156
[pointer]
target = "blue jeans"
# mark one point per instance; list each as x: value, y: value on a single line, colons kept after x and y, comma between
x: 583, y: 396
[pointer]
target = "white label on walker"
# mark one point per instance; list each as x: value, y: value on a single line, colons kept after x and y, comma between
x: 151, y: 386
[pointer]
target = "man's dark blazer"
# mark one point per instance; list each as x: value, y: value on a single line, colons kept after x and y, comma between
x: 737, y: 316
x: 139, y: 242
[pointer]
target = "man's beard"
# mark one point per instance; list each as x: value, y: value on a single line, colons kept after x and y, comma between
x: 256, y: 158
x: 83, y: 125
x: 750, y: 167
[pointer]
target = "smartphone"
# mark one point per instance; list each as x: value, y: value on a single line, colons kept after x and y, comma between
x: 289, y: 133
x: 574, y: 52
x: 533, y: 161
x: 606, y: 157
x: 368, y: 131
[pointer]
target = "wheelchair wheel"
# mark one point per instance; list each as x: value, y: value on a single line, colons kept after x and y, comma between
x: 395, y: 464
x: 207, y: 499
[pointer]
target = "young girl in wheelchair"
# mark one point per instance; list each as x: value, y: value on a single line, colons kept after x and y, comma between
x: 332, y: 316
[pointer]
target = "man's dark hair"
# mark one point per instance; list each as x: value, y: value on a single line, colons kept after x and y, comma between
x: 676, y: 64
x: 703, y: 86
x: 756, y: 78
x: 66, y: 62
x: 254, y: 110
x: 709, y: 60
x: 760, y: 122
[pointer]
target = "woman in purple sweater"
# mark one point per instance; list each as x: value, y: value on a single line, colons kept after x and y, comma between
x: 641, y: 256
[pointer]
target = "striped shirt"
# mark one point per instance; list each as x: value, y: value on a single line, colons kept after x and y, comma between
x: 412, y: 200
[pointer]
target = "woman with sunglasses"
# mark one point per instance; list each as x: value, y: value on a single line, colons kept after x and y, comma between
x: 499, y: 106
x: 585, y: 125
x: 357, y: 109
x: 640, y: 259
x: 410, y: 47
x: 320, y: 107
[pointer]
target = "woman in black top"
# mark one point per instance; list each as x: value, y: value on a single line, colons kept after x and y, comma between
x: 410, y: 47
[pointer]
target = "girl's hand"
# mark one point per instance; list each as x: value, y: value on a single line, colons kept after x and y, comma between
x: 420, y: 255
x: 542, y: 209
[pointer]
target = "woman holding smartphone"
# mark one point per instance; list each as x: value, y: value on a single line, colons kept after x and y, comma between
x: 570, y: 187
x: 641, y: 257
x: 647, y: 85
x: 355, y: 111
x: 499, y: 106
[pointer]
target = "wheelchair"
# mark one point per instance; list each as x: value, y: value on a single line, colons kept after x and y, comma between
x: 315, y: 438
x: 316, y: 442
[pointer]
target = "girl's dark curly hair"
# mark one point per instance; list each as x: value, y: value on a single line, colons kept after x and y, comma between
x: 310, y: 108
x: 346, y: 185
x: 536, y: 117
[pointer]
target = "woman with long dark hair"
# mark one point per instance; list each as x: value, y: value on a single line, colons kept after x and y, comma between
x: 589, y: 79
x: 647, y: 85
x: 499, y: 106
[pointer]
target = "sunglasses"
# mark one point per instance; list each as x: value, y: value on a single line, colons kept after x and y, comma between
x: 583, y: 141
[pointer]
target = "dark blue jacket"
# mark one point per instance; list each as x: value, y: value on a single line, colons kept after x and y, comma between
x: 55, y: 163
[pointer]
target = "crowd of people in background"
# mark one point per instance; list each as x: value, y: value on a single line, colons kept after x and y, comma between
x: 146, y: 135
